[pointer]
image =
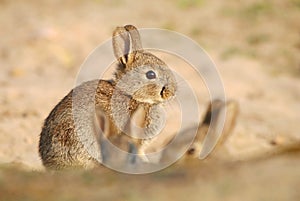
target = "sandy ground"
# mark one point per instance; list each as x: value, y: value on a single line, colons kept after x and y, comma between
x: 254, y: 44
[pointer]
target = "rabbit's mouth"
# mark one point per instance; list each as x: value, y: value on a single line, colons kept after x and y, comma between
x: 167, y: 92
x: 154, y: 94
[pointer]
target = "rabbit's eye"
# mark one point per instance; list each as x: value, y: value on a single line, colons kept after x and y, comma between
x: 150, y: 75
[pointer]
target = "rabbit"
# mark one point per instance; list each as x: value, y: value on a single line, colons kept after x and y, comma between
x: 174, y: 150
x: 101, y: 109
x: 232, y: 110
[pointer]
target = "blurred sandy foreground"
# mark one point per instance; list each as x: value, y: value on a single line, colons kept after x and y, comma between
x: 255, y: 45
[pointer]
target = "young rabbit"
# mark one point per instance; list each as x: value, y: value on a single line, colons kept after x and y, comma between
x: 195, y: 148
x: 71, y: 135
x: 232, y: 110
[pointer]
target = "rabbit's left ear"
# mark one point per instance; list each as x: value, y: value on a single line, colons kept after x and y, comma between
x: 126, y: 41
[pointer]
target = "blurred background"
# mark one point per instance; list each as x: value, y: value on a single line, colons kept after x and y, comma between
x: 255, y: 46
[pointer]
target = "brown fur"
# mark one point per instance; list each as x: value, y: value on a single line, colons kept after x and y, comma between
x: 70, y: 138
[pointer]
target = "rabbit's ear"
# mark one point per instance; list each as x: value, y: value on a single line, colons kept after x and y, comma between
x: 126, y: 41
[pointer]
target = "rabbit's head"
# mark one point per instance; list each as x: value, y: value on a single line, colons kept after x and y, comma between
x: 140, y: 74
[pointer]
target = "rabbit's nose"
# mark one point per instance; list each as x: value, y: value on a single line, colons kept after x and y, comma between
x: 167, y: 92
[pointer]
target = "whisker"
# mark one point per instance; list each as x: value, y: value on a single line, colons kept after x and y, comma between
x: 179, y: 82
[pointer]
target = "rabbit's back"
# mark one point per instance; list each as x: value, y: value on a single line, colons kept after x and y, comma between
x: 61, y: 142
